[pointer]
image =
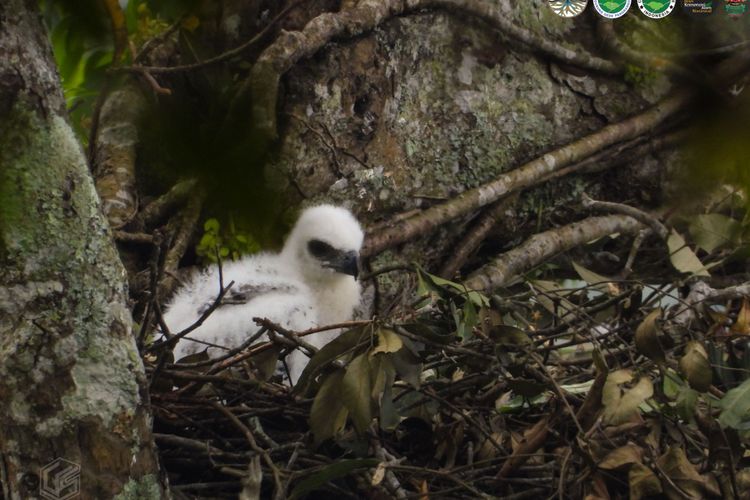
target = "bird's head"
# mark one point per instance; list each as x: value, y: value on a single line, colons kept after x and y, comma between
x: 325, y: 243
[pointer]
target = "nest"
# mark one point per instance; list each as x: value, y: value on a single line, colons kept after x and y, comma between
x: 601, y: 389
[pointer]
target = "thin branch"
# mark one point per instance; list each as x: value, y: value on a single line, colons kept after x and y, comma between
x: 221, y: 57
x: 645, y: 218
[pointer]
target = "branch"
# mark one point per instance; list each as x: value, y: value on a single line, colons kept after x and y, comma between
x: 525, y: 176
x: 291, y: 47
x: 159, y: 209
x: 491, y: 12
x: 643, y: 217
x: 114, y: 153
x: 542, y: 246
x: 221, y: 57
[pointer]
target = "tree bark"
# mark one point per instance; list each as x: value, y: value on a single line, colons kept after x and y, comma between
x: 71, y: 380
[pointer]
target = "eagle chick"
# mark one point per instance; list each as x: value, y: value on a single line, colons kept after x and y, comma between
x: 310, y: 283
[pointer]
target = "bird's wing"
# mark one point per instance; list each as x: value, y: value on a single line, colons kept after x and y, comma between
x: 262, y: 288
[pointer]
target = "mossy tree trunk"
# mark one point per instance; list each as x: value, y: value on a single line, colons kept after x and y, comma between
x: 71, y: 381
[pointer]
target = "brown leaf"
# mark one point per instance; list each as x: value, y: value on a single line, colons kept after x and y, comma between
x: 624, y: 455
x: 682, y: 474
x: 622, y: 404
x: 643, y: 482
x: 695, y: 366
x: 742, y: 325
x: 533, y: 439
x: 647, y: 337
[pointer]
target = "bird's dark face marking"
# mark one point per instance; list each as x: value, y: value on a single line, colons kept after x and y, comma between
x: 320, y: 249
x: 333, y: 258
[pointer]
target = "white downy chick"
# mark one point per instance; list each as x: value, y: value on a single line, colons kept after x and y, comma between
x: 310, y: 283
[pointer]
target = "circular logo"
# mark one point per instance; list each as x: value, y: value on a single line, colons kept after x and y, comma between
x: 568, y: 8
x: 735, y: 8
x: 656, y: 9
x: 612, y: 9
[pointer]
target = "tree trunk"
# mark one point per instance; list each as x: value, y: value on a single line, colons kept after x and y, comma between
x: 71, y: 380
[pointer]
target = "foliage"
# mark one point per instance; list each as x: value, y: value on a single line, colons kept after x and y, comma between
x: 222, y: 243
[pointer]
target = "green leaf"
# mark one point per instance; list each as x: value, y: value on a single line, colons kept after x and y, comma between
x: 344, y: 343
x: 328, y: 413
x: 433, y: 283
x: 408, y: 366
x: 685, y: 404
x: 683, y: 258
x: 356, y: 391
x: 735, y: 407
x: 712, y: 231
x: 211, y: 225
x: 330, y: 472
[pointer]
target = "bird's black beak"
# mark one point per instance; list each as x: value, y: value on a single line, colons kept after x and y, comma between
x: 346, y: 263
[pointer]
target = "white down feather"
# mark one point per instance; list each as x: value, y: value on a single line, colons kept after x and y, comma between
x: 293, y: 288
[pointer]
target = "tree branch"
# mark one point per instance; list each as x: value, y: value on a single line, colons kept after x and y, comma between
x: 542, y: 246
x: 525, y: 176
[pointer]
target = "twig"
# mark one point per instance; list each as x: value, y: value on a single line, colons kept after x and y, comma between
x: 476, y: 235
x: 646, y: 219
x: 637, y: 242
x: 229, y: 54
x: 279, y: 490
x: 542, y: 246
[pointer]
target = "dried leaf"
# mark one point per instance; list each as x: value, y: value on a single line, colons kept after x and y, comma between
x: 647, y: 337
x: 683, y: 258
x: 712, y: 231
x: 619, y: 404
x: 378, y: 475
x: 328, y: 413
x: 602, y: 282
x: 388, y: 341
x: 676, y: 466
x: 355, y: 391
x: 742, y: 325
x: 643, y: 482
x: 695, y: 367
x: 624, y: 455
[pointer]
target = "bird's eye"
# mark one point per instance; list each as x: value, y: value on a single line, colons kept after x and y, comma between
x: 319, y: 248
